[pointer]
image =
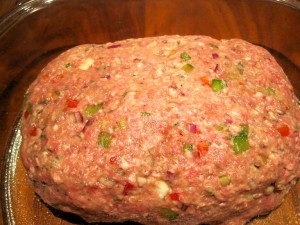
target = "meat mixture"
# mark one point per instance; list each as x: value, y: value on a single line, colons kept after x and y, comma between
x: 178, y: 130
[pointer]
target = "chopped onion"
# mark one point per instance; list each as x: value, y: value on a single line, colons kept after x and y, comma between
x: 193, y: 128
x: 183, y: 207
x: 162, y: 188
x: 173, y: 86
x: 137, y: 60
x: 114, y: 46
x: 78, y: 117
x: 87, y: 124
x: 228, y: 121
x: 216, y: 69
x: 109, y: 183
x: 215, y: 55
x: 107, y: 76
x: 169, y: 175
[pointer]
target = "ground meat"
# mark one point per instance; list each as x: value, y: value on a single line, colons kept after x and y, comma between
x: 162, y: 130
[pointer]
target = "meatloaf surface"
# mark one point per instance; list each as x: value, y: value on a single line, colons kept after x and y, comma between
x: 162, y: 130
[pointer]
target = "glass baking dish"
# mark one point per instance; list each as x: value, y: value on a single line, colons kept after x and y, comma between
x: 36, y: 31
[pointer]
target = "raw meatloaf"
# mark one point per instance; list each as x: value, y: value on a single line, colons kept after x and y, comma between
x: 162, y: 130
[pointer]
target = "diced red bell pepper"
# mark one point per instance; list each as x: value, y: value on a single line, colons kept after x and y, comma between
x: 204, y: 81
x: 174, y: 196
x: 33, y: 131
x: 284, y: 130
x: 127, y: 188
x: 26, y: 114
x: 72, y: 103
x: 202, y: 148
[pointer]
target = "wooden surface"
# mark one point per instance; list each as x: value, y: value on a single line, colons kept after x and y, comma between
x: 34, y: 40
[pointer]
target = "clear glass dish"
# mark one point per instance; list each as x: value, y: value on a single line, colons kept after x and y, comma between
x: 36, y: 31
